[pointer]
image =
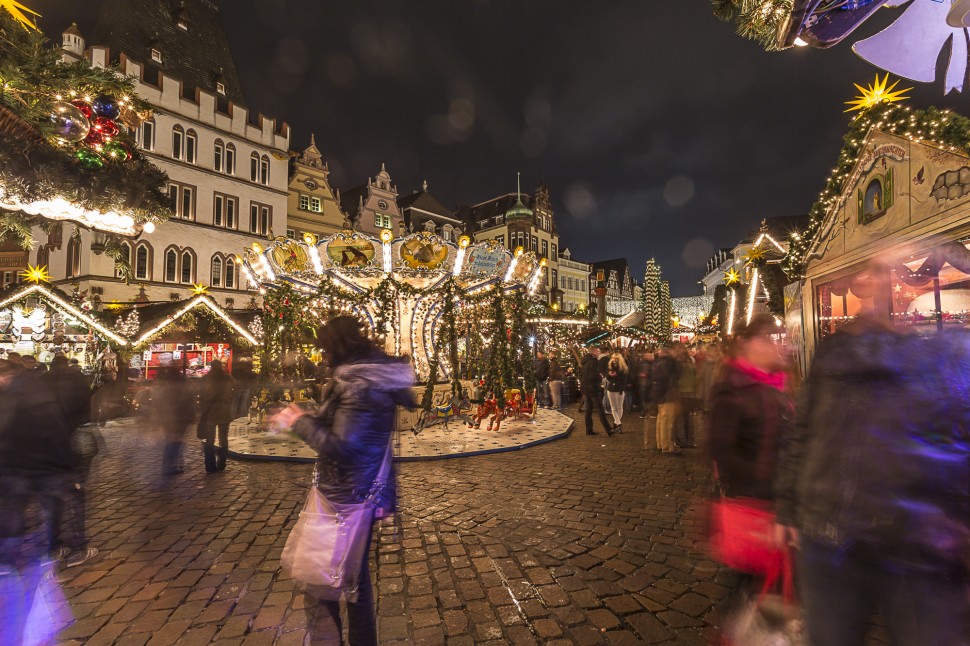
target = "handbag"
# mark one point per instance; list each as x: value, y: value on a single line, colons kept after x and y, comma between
x: 741, y: 536
x: 327, y: 546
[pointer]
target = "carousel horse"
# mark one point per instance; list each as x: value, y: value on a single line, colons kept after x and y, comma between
x: 456, y: 407
x: 518, y: 409
x: 487, y: 408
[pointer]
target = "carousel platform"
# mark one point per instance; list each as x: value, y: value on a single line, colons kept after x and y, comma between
x: 248, y: 441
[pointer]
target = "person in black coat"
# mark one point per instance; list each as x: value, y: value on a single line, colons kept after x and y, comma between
x: 541, y: 369
x: 351, y: 433
x: 591, y: 379
x: 664, y: 394
x: 216, y: 414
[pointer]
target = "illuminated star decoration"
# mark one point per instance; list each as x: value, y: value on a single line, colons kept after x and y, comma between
x: 36, y: 274
x: 17, y: 11
x: 732, y: 276
x: 199, y: 289
x: 877, y: 93
x: 756, y: 254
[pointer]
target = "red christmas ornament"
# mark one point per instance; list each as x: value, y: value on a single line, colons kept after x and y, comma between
x: 105, y: 126
x: 84, y: 107
x: 94, y: 138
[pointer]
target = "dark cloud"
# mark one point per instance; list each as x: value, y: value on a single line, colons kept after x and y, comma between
x: 659, y: 131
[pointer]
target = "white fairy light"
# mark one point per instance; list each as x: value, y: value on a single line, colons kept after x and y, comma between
x: 75, y: 312
x: 732, y: 311
x: 200, y: 300
x: 752, y: 294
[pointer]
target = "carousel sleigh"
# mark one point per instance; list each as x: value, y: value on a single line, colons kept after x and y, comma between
x: 490, y: 409
x: 517, y: 408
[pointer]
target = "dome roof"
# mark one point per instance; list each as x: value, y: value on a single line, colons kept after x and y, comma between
x: 519, y: 211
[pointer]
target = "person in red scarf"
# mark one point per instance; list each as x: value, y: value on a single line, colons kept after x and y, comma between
x: 749, y: 409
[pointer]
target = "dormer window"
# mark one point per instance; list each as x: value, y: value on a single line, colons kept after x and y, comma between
x: 156, y: 55
x: 221, y: 88
x: 182, y: 24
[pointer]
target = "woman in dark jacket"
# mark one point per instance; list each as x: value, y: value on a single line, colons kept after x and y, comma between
x: 351, y: 432
x: 617, y: 376
x: 749, y: 410
x: 216, y: 413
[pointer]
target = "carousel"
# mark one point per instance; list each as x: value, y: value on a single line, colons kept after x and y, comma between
x: 409, y: 292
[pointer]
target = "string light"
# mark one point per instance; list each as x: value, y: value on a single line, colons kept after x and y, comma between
x: 200, y: 300
x: 752, y: 294
x: 732, y: 311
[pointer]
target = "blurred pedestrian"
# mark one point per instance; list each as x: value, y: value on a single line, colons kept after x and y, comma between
x: 215, y: 414
x: 707, y: 374
x: 644, y: 376
x: 617, y: 377
x: 591, y: 379
x: 664, y: 394
x: 555, y: 381
x: 541, y: 368
x: 750, y: 411
x: 70, y: 389
x: 174, y: 411
x: 351, y: 433
x: 687, y: 394
x: 875, y: 486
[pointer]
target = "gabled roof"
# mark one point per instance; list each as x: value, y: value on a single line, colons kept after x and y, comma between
x: 156, y: 317
x: 617, y: 264
x: 426, y: 202
x: 62, y: 301
x: 197, y: 57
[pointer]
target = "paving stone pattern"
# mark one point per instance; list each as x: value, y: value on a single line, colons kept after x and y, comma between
x: 587, y: 540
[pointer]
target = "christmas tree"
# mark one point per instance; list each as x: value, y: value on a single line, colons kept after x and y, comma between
x: 651, y: 300
x: 66, y: 148
x: 665, y: 313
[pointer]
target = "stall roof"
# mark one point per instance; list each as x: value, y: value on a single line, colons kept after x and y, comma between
x: 154, y: 318
x: 61, y: 300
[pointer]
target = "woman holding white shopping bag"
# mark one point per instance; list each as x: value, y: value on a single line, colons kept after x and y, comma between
x: 353, y: 480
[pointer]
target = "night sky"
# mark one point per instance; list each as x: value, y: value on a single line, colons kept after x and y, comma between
x: 658, y: 131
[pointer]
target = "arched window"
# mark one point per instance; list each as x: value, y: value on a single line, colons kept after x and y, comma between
x: 143, y: 262
x: 74, y: 257
x: 218, y: 156
x: 230, y: 274
x: 178, y: 142
x: 171, y: 265
x: 191, y: 146
x: 148, y: 135
x: 264, y: 170
x: 230, y: 159
x: 253, y: 167
x: 215, y: 278
x: 124, y: 257
x: 447, y: 232
x: 188, y: 276
x: 43, y: 256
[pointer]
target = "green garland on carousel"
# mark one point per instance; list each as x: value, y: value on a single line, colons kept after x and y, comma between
x: 289, y: 324
x: 500, y: 371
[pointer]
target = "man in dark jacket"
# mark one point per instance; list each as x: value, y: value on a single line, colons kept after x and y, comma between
x: 591, y: 385
x: 215, y: 416
x: 874, y: 483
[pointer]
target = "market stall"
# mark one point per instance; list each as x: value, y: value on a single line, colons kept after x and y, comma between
x: 40, y: 321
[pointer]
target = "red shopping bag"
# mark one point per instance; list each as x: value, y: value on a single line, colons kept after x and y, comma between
x: 741, y: 536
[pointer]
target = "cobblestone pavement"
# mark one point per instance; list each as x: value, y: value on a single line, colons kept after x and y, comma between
x: 588, y: 540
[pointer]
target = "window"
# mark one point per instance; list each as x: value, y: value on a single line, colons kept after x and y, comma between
x: 191, y: 145
x: 499, y: 219
x: 182, y: 24
x: 230, y: 159
x: 218, y: 155
x: 221, y: 88
x: 253, y: 167
x: 215, y: 278
x: 187, y: 273
x: 264, y: 170
x: 148, y: 135
x: 545, y: 248
x: 563, y: 281
x: 291, y: 234
x: 555, y: 252
x: 304, y: 202
x: 43, y: 256
x: 182, y: 200
x: 171, y: 265
x: 382, y: 221
x: 124, y: 256
x: 74, y: 257
x: 178, y: 142
x: 224, y: 211
x: 156, y: 55
x: 230, y: 274
x: 555, y: 276
x: 535, y: 243
x: 447, y: 232
x: 316, y: 205
x: 501, y: 240
x: 143, y: 262
x: 260, y: 218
